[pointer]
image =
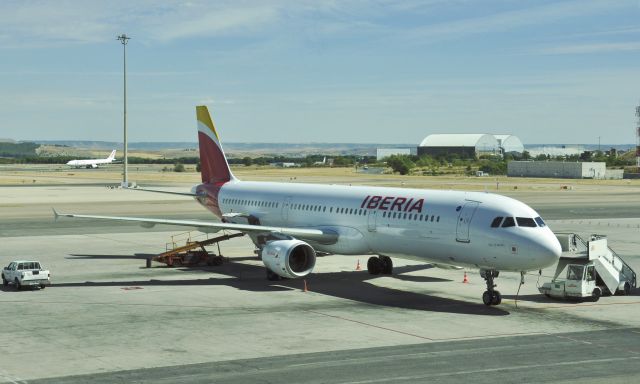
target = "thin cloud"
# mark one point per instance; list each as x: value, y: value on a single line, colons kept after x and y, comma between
x: 592, y: 48
x: 503, y: 21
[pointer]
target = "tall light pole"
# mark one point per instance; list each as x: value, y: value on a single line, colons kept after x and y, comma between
x: 124, y: 39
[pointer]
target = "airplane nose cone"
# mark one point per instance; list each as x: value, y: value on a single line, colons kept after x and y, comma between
x: 549, y: 250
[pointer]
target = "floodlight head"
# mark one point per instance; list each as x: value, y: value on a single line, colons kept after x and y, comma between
x: 123, y: 39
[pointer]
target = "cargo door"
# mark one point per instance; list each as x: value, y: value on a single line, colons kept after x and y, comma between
x: 464, y: 221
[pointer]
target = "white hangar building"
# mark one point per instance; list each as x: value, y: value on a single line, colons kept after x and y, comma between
x: 469, y: 144
x: 509, y: 144
x: 463, y: 144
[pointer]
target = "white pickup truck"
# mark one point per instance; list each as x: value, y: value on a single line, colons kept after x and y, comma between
x: 23, y: 273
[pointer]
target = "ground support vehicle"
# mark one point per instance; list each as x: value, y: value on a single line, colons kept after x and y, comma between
x: 592, y: 270
x: 193, y: 253
x: 24, y: 273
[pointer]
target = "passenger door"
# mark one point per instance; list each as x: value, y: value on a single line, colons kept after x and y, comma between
x: 464, y: 221
x: 286, y: 204
x: 372, y: 218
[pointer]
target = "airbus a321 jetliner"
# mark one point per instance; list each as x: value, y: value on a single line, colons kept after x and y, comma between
x: 92, y: 163
x: 290, y: 222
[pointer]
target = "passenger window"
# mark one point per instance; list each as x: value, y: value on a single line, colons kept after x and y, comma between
x: 540, y: 221
x: 526, y: 222
x: 432, y: 217
x: 437, y: 221
x: 496, y: 222
x: 20, y: 267
x: 508, y: 222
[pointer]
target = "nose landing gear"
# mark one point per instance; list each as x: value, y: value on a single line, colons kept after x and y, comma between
x: 490, y: 296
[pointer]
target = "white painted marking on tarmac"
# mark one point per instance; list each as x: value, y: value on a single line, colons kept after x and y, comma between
x: 372, y: 325
x: 489, y: 370
x: 408, y: 356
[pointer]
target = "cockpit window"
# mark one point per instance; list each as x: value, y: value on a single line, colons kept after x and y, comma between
x: 540, y: 221
x: 508, y: 222
x: 526, y: 222
x: 496, y: 222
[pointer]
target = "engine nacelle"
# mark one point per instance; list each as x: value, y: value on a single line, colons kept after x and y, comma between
x: 289, y: 258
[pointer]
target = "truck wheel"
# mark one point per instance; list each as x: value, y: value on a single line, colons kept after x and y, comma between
x: 4, y: 281
x: 595, y: 295
x: 42, y: 286
x: 627, y: 288
x: 17, y: 284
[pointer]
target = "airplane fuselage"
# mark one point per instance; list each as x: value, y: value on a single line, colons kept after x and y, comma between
x: 450, y: 228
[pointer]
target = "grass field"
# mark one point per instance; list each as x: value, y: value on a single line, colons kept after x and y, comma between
x: 154, y: 174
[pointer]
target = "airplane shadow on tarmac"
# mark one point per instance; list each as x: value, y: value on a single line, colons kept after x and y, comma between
x: 350, y: 285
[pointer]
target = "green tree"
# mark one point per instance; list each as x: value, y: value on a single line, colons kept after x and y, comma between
x: 400, y: 163
x: 178, y: 167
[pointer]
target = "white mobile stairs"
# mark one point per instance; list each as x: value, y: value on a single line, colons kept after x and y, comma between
x: 592, y: 269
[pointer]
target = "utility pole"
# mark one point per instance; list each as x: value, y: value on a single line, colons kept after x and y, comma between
x: 124, y: 39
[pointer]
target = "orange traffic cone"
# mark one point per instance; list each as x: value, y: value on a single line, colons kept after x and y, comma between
x: 466, y: 279
x: 358, y: 266
x: 305, y: 286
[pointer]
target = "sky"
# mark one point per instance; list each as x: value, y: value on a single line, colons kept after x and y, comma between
x: 355, y: 71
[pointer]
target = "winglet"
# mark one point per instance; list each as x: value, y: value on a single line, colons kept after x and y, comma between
x: 55, y: 214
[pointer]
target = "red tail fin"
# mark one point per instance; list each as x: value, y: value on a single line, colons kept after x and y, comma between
x: 213, y: 163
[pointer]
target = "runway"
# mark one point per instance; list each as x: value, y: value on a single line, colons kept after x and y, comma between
x: 106, y: 318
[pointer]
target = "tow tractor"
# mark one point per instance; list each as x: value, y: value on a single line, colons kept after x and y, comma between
x: 592, y: 270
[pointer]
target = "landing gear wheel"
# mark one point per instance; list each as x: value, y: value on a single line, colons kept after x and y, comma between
x: 490, y: 296
x: 487, y: 298
x: 374, y: 265
x: 272, y: 276
x: 496, y: 299
x: 387, y: 265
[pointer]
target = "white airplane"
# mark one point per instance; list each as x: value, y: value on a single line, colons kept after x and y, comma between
x: 291, y: 222
x: 323, y: 162
x: 92, y: 163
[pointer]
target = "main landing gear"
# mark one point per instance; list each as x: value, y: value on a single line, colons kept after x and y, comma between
x: 490, y: 296
x: 380, y: 265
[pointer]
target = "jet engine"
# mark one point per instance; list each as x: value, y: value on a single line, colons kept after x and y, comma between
x: 289, y: 258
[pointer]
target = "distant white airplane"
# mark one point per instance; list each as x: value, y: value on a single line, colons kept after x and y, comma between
x: 92, y: 163
x: 323, y: 162
x: 291, y: 222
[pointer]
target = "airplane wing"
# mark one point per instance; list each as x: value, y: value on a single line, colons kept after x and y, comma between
x: 161, y: 191
x: 318, y: 235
